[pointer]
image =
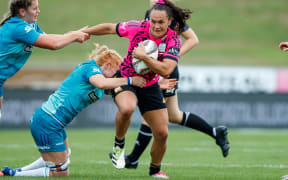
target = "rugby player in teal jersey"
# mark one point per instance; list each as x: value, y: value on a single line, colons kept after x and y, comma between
x: 84, y: 86
x: 19, y: 32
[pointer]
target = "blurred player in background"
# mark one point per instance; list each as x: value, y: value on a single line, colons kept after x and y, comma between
x: 19, y: 32
x: 149, y: 99
x: 176, y: 116
x: 81, y: 88
x: 283, y: 46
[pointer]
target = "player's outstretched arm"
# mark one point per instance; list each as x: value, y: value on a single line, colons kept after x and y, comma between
x: 57, y: 41
x: 101, y: 29
x: 101, y: 82
x: 283, y: 46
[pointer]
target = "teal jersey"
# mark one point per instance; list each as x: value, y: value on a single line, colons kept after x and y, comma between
x: 16, y: 43
x: 74, y: 94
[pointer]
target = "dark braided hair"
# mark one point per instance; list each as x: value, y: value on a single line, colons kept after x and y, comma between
x: 179, y: 15
x: 14, y: 7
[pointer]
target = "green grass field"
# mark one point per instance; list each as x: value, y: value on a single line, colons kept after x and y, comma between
x: 256, y: 154
x: 237, y: 32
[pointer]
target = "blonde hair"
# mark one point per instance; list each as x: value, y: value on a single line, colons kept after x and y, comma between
x: 104, y: 54
x: 14, y: 7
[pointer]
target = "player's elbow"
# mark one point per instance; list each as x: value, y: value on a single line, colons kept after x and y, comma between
x: 196, y: 41
x: 54, y: 45
x: 101, y: 86
x: 167, y: 69
x: 166, y: 72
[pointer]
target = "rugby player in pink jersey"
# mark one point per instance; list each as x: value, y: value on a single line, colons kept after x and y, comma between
x: 149, y: 99
x: 176, y: 116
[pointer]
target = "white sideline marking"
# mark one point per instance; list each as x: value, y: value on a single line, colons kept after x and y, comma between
x: 15, y: 146
x: 246, y: 150
x: 271, y: 166
x: 252, y: 150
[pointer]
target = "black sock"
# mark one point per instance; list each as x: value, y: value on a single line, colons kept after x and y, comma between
x: 154, y: 169
x: 143, y: 139
x: 119, y: 143
x: 195, y: 122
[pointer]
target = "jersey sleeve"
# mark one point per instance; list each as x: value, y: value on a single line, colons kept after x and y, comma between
x: 173, y: 49
x: 186, y: 27
x: 26, y: 33
x: 91, y: 71
x: 127, y: 29
x: 38, y: 29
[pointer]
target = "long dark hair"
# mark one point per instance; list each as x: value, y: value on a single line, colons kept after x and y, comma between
x: 14, y: 7
x: 179, y: 15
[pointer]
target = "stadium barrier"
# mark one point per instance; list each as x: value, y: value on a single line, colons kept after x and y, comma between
x: 231, y: 109
x: 232, y: 96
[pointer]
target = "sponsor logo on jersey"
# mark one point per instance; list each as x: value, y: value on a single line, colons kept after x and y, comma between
x: 174, y: 51
x: 28, y: 48
x: 28, y: 28
x: 96, y: 70
x: 93, y: 96
x: 123, y: 25
x: 170, y: 90
x: 162, y: 47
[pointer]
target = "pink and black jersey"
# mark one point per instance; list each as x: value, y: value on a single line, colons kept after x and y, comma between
x: 137, y: 31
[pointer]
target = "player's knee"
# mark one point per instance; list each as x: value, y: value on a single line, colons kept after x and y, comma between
x: 161, y: 135
x: 58, y: 170
x: 59, y: 174
x: 68, y: 153
x: 127, y: 110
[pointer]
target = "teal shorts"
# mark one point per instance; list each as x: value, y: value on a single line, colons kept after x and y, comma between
x: 48, y: 134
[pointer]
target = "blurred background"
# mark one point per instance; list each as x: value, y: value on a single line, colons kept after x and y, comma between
x: 236, y: 76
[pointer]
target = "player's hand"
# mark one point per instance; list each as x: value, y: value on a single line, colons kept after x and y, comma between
x: 283, y: 46
x: 138, y: 81
x: 139, y: 52
x: 82, y: 36
x: 167, y: 83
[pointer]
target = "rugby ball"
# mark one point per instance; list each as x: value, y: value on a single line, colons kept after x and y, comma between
x: 152, y: 51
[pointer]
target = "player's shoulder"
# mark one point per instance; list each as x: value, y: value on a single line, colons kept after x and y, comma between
x: 17, y: 25
x: 145, y: 22
x: 16, y: 22
x: 172, y: 33
x: 137, y: 24
x: 89, y: 66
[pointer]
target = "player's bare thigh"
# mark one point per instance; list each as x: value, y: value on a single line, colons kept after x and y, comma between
x: 126, y: 102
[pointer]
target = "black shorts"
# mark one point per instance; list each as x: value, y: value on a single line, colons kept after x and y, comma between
x: 172, y: 92
x: 149, y: 98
